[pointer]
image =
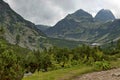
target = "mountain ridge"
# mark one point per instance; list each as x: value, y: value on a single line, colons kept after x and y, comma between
x: 78, y: 26
x: 83, y: 29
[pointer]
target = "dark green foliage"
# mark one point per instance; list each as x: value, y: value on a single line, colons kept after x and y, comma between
x: 10, y: 67
x: 43, y: 60
x: 118, y: 44
x: 31, y: 39
x: 62, y: 56
x: 55, y: 57
x: 17, y: 39
x: 15, y: 61
x: 112, y: 48
x: 1, y: 30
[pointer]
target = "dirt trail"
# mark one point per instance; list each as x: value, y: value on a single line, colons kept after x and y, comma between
x: 113, y: 74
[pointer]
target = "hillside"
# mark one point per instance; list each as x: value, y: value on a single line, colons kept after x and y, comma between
x: 17, y: 29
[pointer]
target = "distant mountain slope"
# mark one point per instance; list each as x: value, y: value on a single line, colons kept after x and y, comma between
x: 81, y: 26
x: 70, y: 25
x: 18, y: 30
x: 42, y: 27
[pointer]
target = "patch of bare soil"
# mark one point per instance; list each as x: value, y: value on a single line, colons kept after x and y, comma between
x: 113, y: 74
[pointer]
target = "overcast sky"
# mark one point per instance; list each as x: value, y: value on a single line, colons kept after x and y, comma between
x: 49, y: 12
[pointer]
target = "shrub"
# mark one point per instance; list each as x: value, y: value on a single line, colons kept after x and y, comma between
x: 102, y: 65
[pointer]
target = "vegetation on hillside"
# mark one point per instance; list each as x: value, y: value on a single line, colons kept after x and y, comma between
x: 66, y: 63
x: 15, y: 61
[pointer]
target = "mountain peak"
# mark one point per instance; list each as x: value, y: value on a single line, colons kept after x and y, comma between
x: 80, y: 15
x: 80, y: 11
x: 105, y: 10
x: 104, y: 15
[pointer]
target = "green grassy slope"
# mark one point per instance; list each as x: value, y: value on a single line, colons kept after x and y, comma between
x: 64, y: 43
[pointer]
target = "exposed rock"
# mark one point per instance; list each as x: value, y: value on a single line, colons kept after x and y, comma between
x: 116, y: 74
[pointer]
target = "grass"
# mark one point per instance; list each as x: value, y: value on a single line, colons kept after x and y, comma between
x: 116, y: 63
x: 61, y: 74
x: 67, y: 73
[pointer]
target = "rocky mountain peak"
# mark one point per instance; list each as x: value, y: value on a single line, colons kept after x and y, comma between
x: 104, y: 15
x: 80, y: 15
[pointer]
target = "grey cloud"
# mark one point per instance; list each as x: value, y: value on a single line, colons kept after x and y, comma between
x: 95, y: 5
x: 42, y: 11
x: 50, y: 11
x: 66, y: 5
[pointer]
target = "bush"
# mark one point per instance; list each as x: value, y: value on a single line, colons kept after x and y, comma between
x: 10, y: 69
x: 102, y: 65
